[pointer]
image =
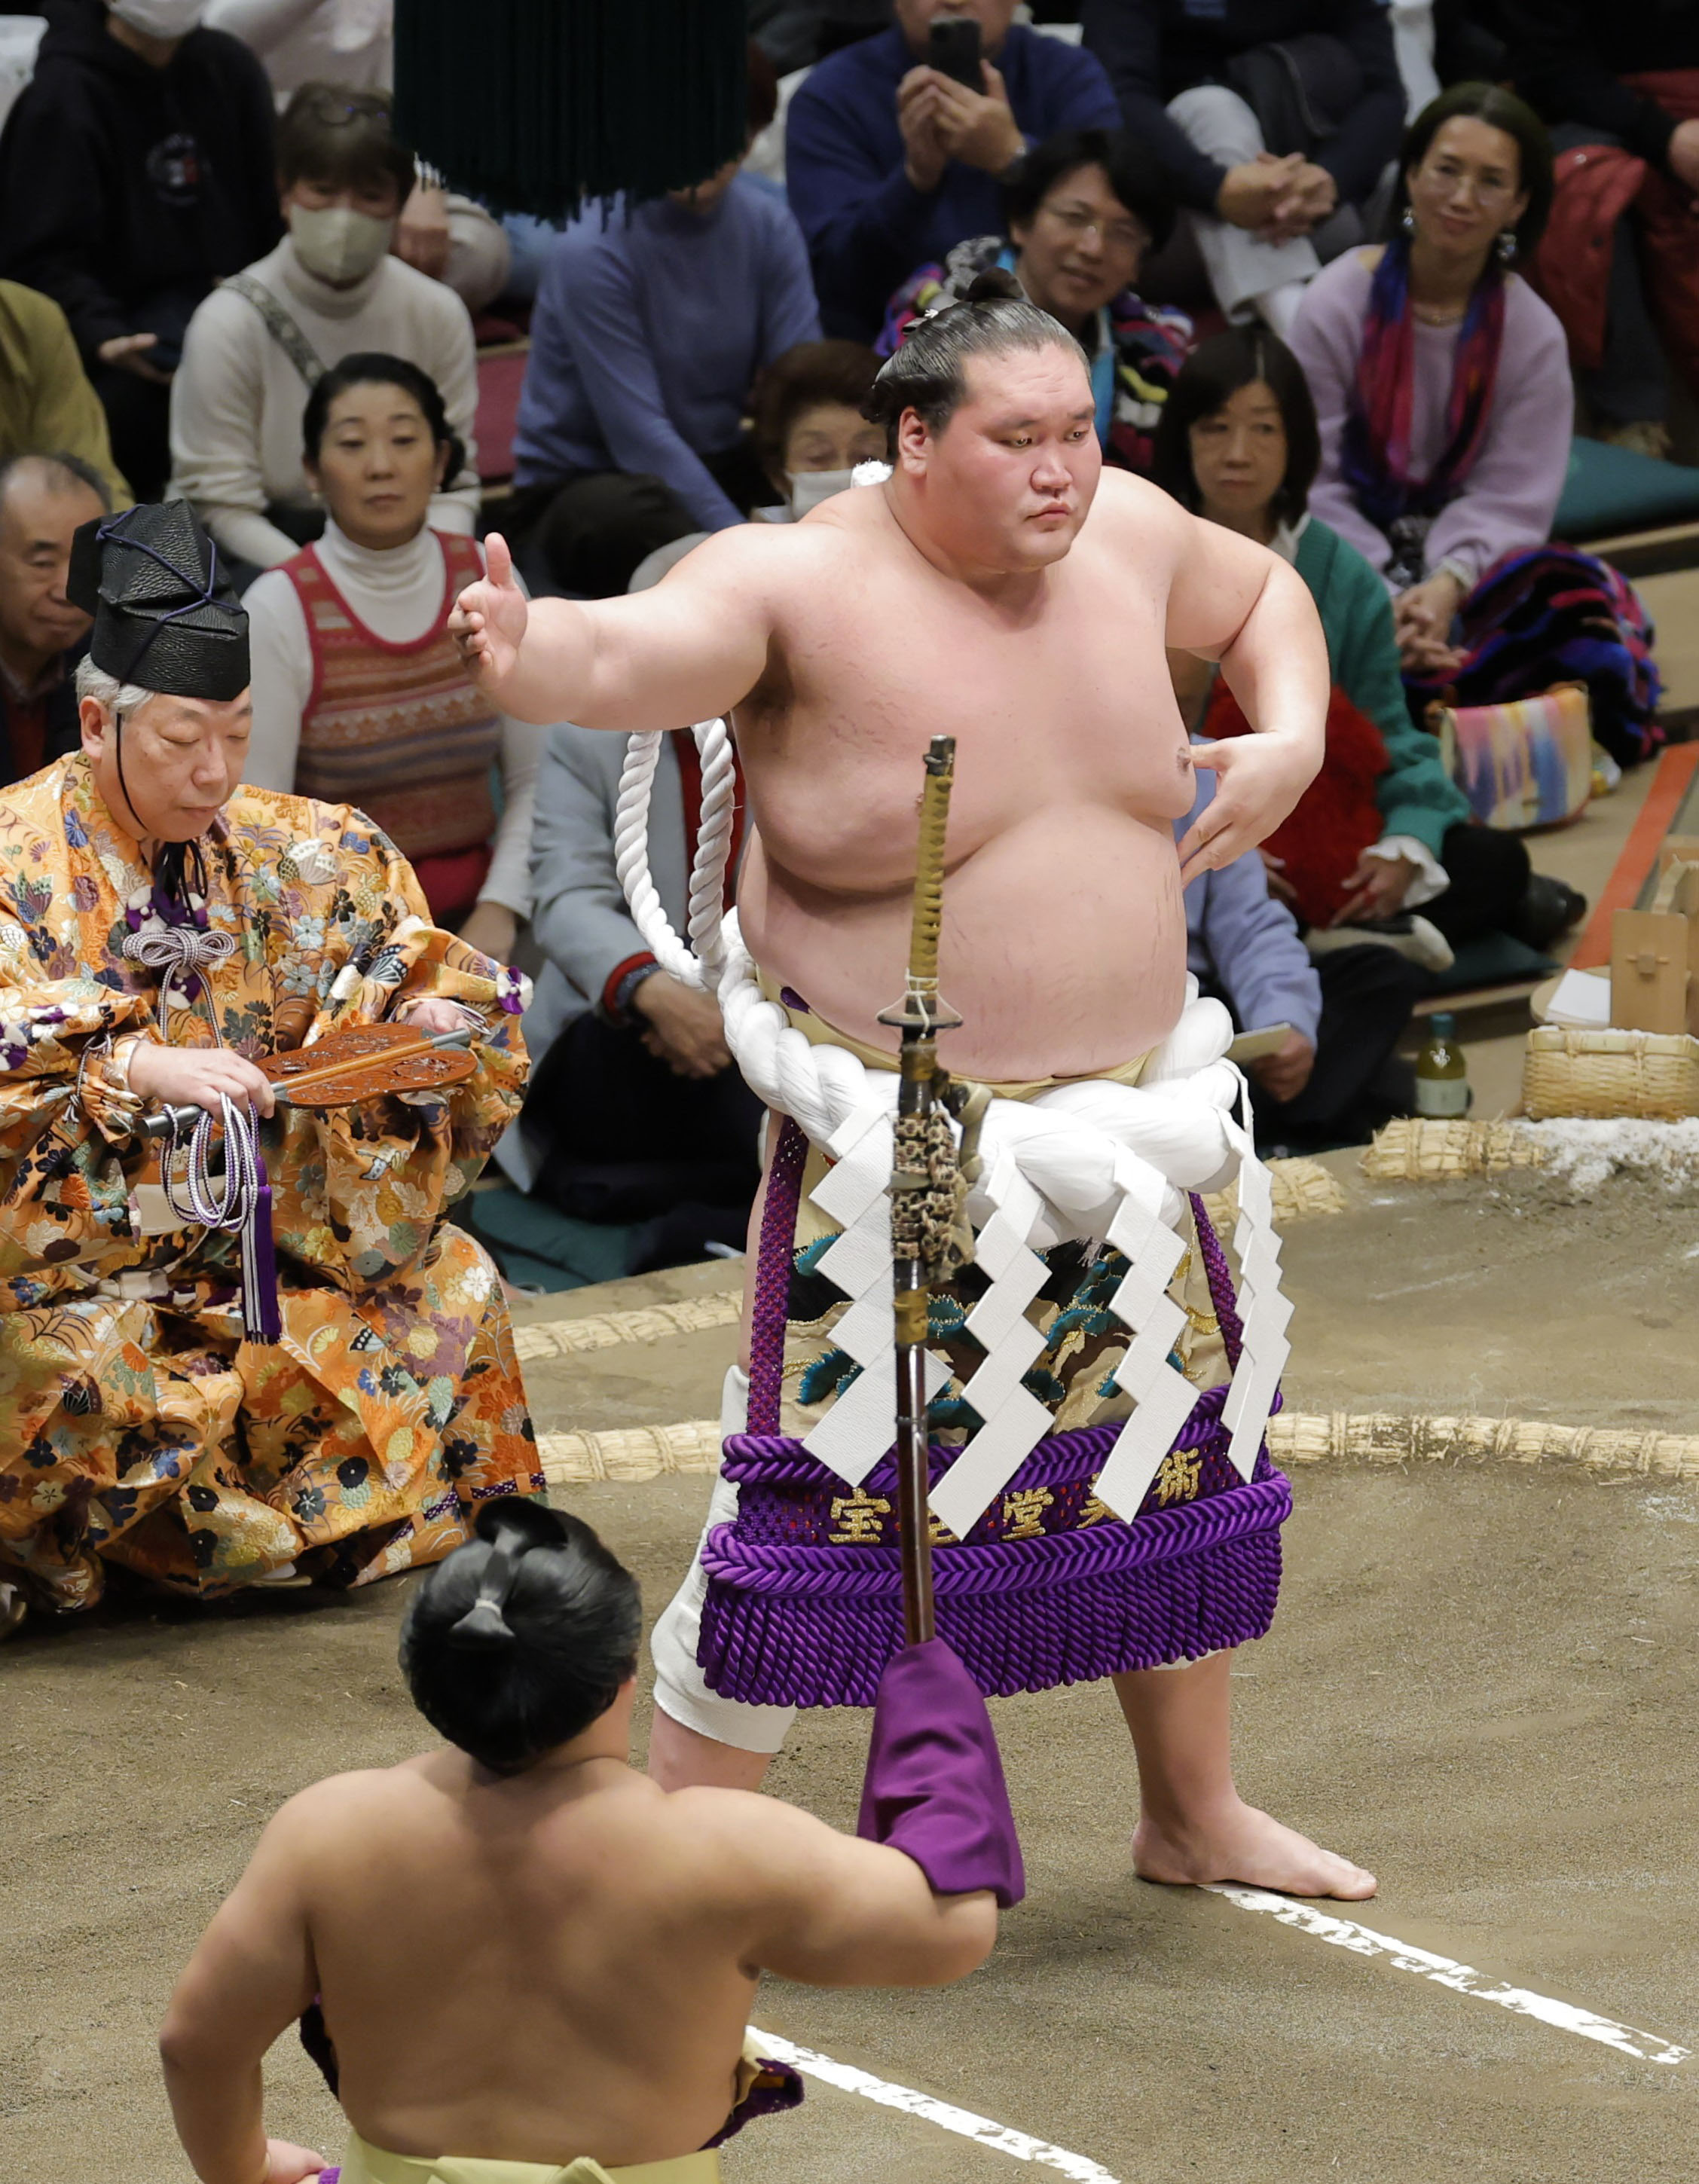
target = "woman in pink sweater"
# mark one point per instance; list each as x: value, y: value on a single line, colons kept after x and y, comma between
x: 1442, y: 387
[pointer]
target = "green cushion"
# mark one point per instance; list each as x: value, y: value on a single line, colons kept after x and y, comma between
x: 538, y: 1248
x: 1494, y: 960
x: 1611, y: 489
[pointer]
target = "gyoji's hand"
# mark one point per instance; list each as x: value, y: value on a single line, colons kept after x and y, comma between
x: 489, y: 619
x: 435, y: 1014
x: 1259, y: 779
x: 197, y: 1077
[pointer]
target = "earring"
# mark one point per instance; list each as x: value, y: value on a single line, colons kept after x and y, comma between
x: 1506, y: 245
x: 1408, y: 222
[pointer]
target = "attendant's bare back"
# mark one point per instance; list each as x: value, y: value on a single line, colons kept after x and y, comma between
x: 524, y: 1973
x: 1064, y: 942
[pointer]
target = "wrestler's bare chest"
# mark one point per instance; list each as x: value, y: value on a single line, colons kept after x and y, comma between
x: 1059, y: 703
x: 1064, y: 935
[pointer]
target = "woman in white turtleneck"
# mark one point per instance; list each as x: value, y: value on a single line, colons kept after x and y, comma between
x: 359, y: 695
x: 330, y: 289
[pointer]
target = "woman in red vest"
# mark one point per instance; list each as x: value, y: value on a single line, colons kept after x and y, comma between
x: 358, y: 693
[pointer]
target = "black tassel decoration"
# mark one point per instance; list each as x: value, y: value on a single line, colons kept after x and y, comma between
x: 536, y: 105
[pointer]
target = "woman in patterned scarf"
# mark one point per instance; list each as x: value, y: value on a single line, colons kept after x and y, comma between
x: 1442, y: 385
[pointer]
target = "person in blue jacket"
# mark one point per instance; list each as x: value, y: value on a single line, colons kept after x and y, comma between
x: 889, y: 165
x: 1336, y: 1078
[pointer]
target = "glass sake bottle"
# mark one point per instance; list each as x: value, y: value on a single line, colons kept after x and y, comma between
x: 1442, y: 1074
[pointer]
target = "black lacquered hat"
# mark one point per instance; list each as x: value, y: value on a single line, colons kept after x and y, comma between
x: 164, y: 615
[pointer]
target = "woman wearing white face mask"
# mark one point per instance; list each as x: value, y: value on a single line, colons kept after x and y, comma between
x: 328, y: 290
x: 809, y: 434
x: 136, y: 171
x: 809, y: 430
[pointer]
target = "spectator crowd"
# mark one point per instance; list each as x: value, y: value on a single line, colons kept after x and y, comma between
x: 1347, y: 276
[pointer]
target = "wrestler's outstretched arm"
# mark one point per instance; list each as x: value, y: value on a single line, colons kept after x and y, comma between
x: 830, y: 1909
x: 685, y: 650
x: 1233, y: 601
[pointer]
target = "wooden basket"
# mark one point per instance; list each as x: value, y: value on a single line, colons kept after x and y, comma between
x: 1653, y: 1075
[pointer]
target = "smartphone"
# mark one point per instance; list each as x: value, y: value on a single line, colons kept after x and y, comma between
x: 952, y: 48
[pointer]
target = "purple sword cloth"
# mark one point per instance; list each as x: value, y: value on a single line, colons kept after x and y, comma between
x: 934, y: 1787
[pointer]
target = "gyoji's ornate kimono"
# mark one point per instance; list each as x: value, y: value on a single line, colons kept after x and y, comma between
x: 136, y: 1424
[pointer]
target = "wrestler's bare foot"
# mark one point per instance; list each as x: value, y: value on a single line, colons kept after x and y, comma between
x: 1249, y: 1847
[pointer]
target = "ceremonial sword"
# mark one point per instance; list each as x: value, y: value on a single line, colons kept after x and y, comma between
x: 924, y: 1191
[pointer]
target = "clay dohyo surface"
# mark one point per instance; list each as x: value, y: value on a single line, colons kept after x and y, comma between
x: 1482, y: 1683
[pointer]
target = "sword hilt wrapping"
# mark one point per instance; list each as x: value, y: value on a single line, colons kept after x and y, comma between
x: 928, y: 907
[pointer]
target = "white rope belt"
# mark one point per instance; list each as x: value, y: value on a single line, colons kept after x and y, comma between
x: 1090, y: 1160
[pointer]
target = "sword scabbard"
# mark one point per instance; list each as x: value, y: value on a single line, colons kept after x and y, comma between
x: 920, y: 1019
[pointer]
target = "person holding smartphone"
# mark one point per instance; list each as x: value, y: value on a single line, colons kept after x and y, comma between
x: 894, y: 146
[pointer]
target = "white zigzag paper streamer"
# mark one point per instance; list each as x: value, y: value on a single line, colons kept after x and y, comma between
x: 1092, y: 1159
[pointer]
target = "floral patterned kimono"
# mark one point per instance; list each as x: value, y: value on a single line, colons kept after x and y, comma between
x: 136, y: 1425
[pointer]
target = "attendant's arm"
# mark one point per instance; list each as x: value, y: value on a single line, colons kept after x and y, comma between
x: 1327, y: 340
x: 1127, y: 37
x: 830, y: 1910
x: 604, y: 328
x: 250, y: 1976
x: 217, y: 405
x: 1235, y: 602
x: 687, y: 650
x: 1512, y: 494
x: 281, y: 664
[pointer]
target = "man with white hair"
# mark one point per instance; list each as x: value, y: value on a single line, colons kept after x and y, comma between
x: 324, y: 1386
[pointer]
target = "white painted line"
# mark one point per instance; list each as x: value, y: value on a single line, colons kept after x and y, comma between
x: 1346, y: 1934
x: 962, y: 2121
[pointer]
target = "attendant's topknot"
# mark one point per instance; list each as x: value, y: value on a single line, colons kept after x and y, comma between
x: 522, y: 1638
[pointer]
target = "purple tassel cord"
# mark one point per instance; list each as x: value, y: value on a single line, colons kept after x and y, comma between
x: 261, y: 1317
x: 813, y: 1626
x: 244, y: 1208
x: 1044, y: 1591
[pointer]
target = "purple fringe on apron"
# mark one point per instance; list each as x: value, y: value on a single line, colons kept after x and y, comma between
x: 1045, y: 1590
